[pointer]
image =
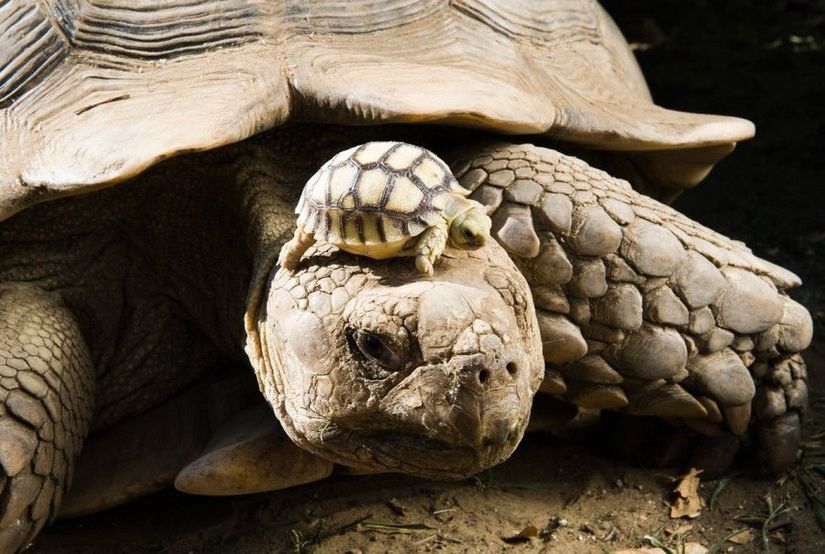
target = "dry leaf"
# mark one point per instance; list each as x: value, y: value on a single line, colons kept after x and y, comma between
x: 742, y: 537
x: 522, y: 536
x: 687, y: 502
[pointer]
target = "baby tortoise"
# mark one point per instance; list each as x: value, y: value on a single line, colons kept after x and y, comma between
x: 387, y: 199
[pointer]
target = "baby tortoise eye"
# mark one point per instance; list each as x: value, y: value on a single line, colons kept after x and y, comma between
x: 376, y: 351
x: 468, y: 234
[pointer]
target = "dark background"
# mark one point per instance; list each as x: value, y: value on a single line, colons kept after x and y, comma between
x: 763, y: 60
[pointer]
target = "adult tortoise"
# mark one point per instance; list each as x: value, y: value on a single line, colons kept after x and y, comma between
x: 123, y: 311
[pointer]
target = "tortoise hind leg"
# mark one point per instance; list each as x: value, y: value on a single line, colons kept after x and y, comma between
x: 46, y: 398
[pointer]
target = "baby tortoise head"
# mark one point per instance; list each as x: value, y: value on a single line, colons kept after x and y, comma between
x: 371, y: 365
x: 470, y: 229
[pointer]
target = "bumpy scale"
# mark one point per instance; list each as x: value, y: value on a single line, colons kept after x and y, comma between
x: 387, y: 199
x: 642, y: 309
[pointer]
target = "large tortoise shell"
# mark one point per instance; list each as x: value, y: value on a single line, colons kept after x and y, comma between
x: 94, y: 91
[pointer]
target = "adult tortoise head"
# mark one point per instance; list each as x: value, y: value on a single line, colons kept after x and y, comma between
x: 374, y: 366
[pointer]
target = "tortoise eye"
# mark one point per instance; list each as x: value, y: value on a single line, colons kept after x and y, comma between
x: 468, y: 234
x: 374, y: 350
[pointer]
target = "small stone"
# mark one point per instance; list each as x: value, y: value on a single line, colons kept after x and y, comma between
x: 513, y: 227
x: 749, y: 304
x: 701, y: 321
x: 524, y: 191
x: 698, y: 281
x: 589, y: 279
x: 653, y: 352
x: 620, y: 306
x: 594, y: 233
x: 721, y: 376
x: 715, y: 340
x: 562, y: 341
x: 651, y: 249
x: 558, y: 212
x: 592, y: 369
x: 662, y: 306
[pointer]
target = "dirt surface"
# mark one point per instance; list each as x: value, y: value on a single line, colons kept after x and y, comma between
x: 764, y: 61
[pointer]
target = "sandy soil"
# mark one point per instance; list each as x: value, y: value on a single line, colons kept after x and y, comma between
x: 764, y: 62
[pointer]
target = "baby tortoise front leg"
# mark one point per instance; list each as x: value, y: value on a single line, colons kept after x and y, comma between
x: 46, y: 398
x: 294, y: 249
x: 429, y: 247
x: 643, y: 310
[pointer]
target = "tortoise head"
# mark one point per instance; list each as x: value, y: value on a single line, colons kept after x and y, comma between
x: 371, y: 365
x: 470, y: 229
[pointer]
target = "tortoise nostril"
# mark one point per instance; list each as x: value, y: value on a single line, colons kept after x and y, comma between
x: 512, y: 368
x: 483, y: 376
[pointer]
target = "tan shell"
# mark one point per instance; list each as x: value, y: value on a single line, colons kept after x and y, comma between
x: 378, y: 192
x: 93, y: 92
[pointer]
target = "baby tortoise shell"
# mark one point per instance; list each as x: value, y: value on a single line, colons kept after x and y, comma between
x: 387, y: 199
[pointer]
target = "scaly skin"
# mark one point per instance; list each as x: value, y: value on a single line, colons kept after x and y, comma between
x: 642, y: 309
x: 157, y: 274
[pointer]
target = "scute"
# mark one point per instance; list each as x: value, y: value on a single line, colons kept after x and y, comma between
x: 92, y: 96
x: 360, y: 199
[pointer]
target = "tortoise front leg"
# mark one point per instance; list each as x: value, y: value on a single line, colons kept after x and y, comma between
x: 46, y: 398
x: 430, y: 246
x: 643, y: 310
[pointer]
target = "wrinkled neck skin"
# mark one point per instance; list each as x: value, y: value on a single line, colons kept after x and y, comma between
x: 448, y: 395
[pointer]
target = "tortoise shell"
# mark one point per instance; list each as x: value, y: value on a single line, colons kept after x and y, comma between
x: 92, y: 92
x: 378, y: 192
